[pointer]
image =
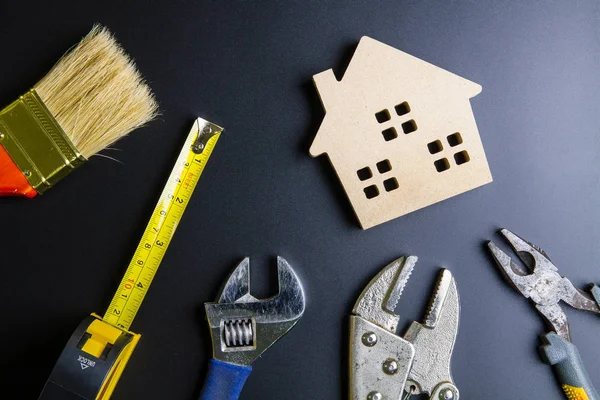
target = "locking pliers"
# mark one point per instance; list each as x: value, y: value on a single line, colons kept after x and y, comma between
x: 542, y: 283
x: 383, y: 364
x: 243, y: 327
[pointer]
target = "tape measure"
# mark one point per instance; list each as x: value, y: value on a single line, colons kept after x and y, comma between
x: 163, y: 223
x: 95, y: 356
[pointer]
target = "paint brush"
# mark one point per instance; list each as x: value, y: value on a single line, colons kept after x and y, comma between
x: 91, y: 98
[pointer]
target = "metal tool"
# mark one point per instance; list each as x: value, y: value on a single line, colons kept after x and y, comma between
x: 384, y: 365
x: 95, y: 356
x: 542, y: 283
x: 243, y: 327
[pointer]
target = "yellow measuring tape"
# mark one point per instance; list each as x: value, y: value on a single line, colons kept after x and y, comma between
x: 163, y: 223
x: 96, y: 354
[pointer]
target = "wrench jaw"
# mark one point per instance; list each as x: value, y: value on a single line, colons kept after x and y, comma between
x: 433, y: 341
x: 244, y: 327
x: 291, y: 301
x: 237, y: 286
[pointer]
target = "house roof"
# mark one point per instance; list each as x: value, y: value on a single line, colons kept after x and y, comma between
x: 373, y: 67
x: 388, y: 57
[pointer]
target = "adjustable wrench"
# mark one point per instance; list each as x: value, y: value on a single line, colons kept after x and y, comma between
x: 243, y: 327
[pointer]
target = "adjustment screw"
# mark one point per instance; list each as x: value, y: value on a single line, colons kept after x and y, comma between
x: 374, y: 396
x: 206, y: 129
x: 390, y: 366
x: 369, y: 339
x: 1, y: 136
x: 27, y: 173
x: 447, y: 394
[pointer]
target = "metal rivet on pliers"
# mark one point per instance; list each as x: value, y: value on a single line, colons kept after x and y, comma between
x: 390, y: 366
x: 369, y: 339
x: 374, y: 396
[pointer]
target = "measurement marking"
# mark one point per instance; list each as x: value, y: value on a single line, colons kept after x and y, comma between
x: 161, y: 228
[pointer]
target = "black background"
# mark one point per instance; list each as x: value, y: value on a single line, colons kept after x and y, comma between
x: 248, y: 66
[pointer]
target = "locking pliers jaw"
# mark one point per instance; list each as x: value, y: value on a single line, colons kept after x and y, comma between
x: 378, y: 300
x: 383, y: 364
x: 434, y: 342
x: 379, y: 359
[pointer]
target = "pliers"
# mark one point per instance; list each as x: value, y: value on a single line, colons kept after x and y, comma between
x: 386, y: 366
x: 243, y: 327
x: 542, y: 283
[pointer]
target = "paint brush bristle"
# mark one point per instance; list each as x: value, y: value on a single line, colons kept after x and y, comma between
x: 96, y: 94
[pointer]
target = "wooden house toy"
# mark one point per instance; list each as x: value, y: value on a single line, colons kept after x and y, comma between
x: 399, y: 132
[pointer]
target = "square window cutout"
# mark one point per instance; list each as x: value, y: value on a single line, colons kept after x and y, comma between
x: 390, y: 184
x: 442, y: 164
x: 383, y: 116
x: 402, y: 109
x: 462, y: 157
x: 435, y: 147
x: 389, y: 134
x: 371, y: 191
x: 384, y: 166
x: 364, y: 173
x: 409, y: 126
x: 455, y: 139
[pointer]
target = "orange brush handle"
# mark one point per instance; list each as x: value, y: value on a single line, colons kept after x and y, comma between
x: 12, y: 180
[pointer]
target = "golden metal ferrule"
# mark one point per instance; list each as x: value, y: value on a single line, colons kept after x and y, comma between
x: 36, y: 142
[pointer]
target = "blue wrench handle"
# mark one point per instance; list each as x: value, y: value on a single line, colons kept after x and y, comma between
x: 224, y: 381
